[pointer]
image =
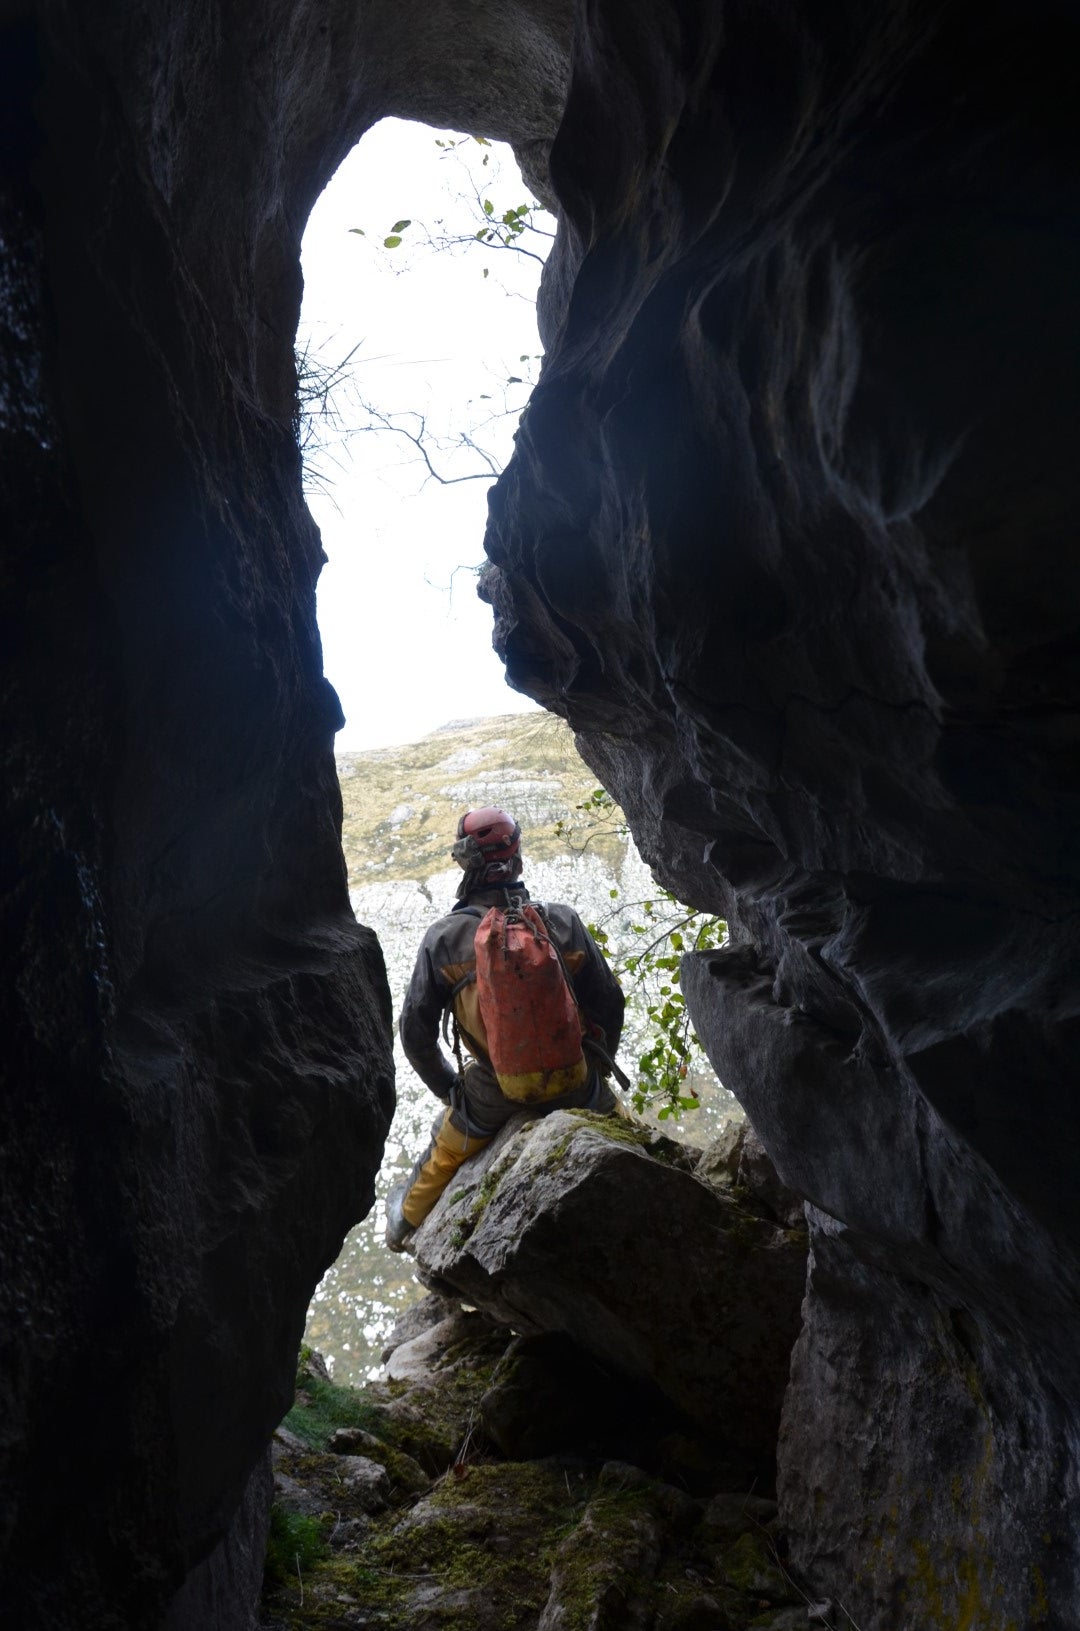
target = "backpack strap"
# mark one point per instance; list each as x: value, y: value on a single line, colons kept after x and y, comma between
x: 587, y: 1041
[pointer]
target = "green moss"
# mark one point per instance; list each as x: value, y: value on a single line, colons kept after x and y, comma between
x: 750, y: 1566
x: 452, y: 1545
x: 620, y: 1129
x: 321, y: 1406
x: 466, y: 1226
x: 293, y: 1543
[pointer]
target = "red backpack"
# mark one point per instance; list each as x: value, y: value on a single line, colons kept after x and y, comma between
x: 531, y: 1017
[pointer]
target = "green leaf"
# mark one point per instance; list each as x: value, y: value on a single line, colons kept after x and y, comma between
x: 391, y: 242
x: 399, y: 226
x: 360, y: 233
x: 481, y: 141
x: 614, y: 894
x: 489, y: 208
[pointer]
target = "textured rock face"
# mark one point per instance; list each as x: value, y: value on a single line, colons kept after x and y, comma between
x: 575, y: 1225
x: 789, y: 539
x: 195, y: 1029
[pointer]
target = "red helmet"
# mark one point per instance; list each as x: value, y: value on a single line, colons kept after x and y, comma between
x: 488, y: 836
x: 496, y: 834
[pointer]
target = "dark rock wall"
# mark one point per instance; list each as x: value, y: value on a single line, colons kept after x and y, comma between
x: 789, y: 538
x: 196, y: 1033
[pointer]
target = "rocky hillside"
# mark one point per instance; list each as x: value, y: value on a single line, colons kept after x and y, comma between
x: 401, y: 804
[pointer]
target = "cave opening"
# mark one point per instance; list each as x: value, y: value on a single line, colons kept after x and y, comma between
x: 415, y: 363
x: 416, y: 350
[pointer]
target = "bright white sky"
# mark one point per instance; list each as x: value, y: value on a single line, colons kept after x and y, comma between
x: 405, y: 640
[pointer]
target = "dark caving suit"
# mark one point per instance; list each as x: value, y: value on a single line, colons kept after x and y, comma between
x: 476, y: 1106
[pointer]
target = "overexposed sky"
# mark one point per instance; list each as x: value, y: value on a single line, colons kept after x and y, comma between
x: 405, y: 640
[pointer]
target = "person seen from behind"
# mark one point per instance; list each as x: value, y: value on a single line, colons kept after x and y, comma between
x: 557, y: 1062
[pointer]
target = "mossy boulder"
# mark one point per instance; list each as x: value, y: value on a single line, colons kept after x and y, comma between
x: 597, y: 1228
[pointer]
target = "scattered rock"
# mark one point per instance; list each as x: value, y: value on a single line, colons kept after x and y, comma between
x: 350, y: 1441
x: 430, y: 1310
x: 311, y: 1363
x: 422, y: 1356
x: 367, y: 1482
x: 680, y: 1509
x: 348, y: 1533
x: 604, y: 1567
x: 556, y: 1542
x: 749, y: 1564
x: 297, y: 1496
x: 286, y: 1443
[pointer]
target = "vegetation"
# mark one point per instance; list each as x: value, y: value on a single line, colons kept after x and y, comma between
x: 294, y: 1546
x: 524, y: 228
x: 645, y: 940
x: 333, y: 405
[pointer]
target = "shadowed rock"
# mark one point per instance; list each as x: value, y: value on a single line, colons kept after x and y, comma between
x: 591, y: 1227
x: 196, y: 1031
x: 821, y: 642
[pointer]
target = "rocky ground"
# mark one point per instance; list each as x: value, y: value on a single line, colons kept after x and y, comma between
x: 501, y: 1477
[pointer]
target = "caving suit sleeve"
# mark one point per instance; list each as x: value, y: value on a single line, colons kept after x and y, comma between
x: 421, y: 1016
x: 596, y: 988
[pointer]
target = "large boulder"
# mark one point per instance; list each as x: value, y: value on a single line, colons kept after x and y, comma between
x: 595, y: 1228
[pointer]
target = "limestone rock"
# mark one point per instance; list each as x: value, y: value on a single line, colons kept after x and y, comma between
x: 348, y: 1441
x: 196, y: 1029
x: 737, y: 1161
x: 430, y: 1310
x: 570, y: 1224
x: 820, y: 643
x: 423, y: 1356
x: 605, y: 1565
x: 367, y: 1482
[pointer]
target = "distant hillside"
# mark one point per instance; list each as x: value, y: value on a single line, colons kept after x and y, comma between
x: 401, y: 804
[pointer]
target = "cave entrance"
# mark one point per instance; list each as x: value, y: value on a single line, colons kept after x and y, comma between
x: 416, y: 348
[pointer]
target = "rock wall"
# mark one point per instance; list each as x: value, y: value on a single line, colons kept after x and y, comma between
x: 788, y: 539
x: 196, y: 1031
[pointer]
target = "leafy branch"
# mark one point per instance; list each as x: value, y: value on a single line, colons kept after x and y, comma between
x: 513, y: 227
x: 644, y: 942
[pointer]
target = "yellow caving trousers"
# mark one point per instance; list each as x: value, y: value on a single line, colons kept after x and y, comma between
x: 448, y: 1150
